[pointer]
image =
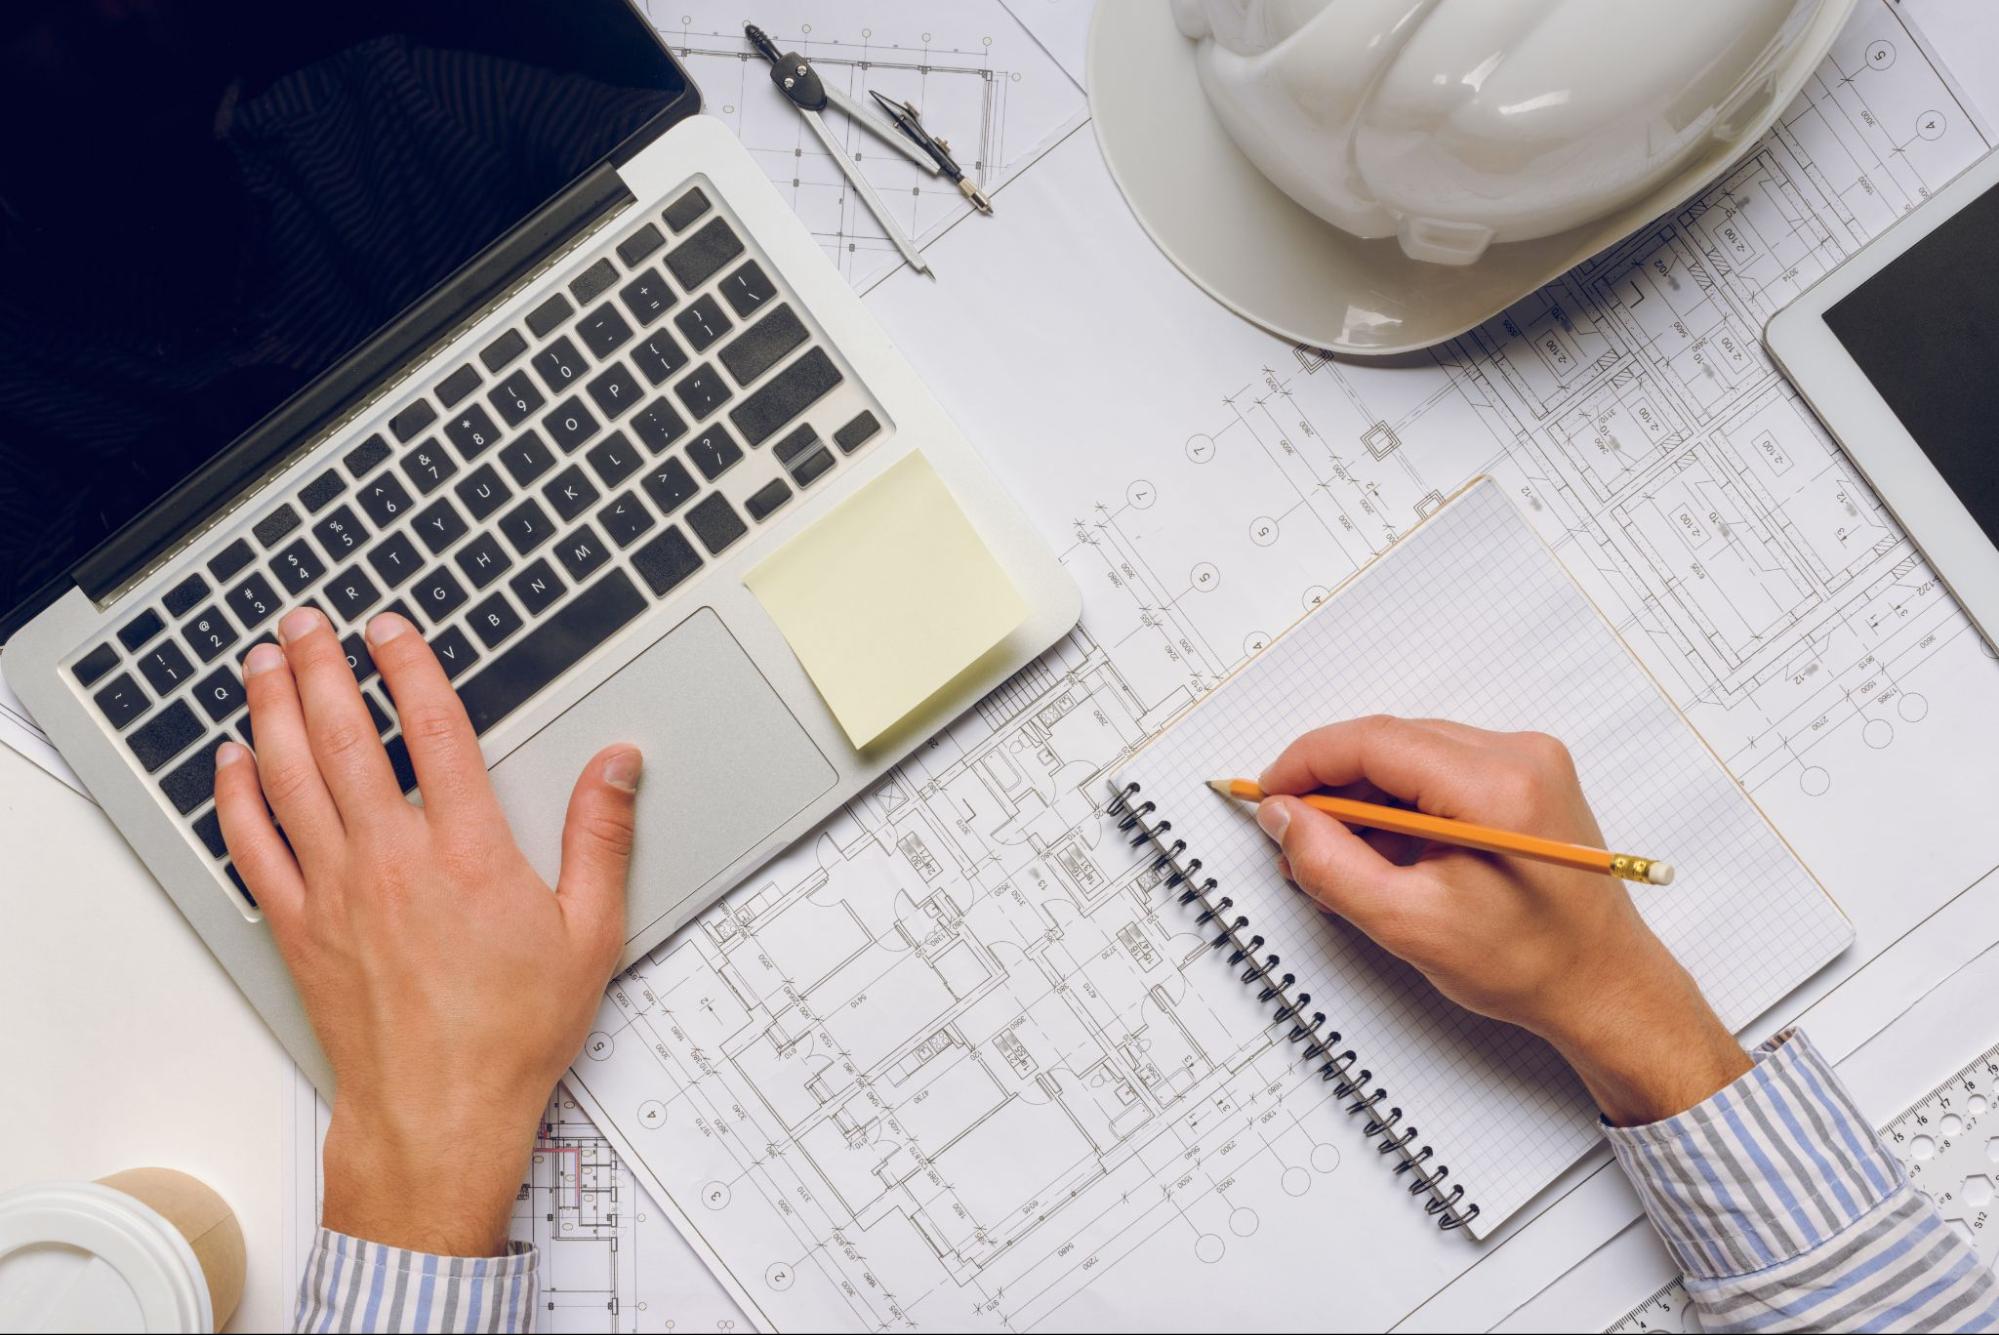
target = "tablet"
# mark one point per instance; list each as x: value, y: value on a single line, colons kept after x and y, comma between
x: 1897, y: 350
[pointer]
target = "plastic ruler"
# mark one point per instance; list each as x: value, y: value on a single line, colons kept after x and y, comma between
x: 1948, y: 1142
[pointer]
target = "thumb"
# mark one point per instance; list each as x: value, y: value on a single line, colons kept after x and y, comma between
x: 597, y: 845
x: 1330, y: 862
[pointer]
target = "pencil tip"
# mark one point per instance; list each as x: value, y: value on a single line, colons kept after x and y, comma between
x: 1221, y: 786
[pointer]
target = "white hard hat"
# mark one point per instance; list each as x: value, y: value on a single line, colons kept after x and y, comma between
x: 1504, y: 139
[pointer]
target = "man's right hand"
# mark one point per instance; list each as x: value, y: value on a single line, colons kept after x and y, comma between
x: 1561, y: 953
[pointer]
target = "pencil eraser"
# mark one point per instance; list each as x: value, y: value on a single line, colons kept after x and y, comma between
x: 1660, y: 873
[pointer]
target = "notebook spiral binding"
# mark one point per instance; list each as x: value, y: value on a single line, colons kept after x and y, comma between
x: 1336, y: 1064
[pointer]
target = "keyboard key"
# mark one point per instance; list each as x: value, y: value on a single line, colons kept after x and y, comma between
x: 747, y: 288
x: 383, y: 499
x: 219, y: 693
x: 503, y: 349
x: 546, y: 318
x: 647, y: 297
x: 493, y: 620
x: 140, y: 629
x: 614, y: 458
x: 763, y: 345
x: 340, y: 534
x: 625, y: 519
x: 399, y: 762
x: 351, y: 593
x: 395, y: 558
x: 811, y: 467
x: 472, y: 432
x: 438, y: 594
x: 765, y: 500
x: 208, y: 829
x: 166, y: 667
x: 252, y: 600
x: 680, y: 214
x: 713, y: 452
x: 165, y: 735
x: 236, y: 879
x: 527, y: 457
x: 482, y: 492
x: 658, y: 356
x: 786, y: 395
x: 427, y: 466
x: 247, y: 729
x: 455, y: 388
x: 670, y: 485
x: 701, y: 391
x: 527, y: 526
x: 358, y: 661
x: 225, y: 563
x: 515, y: 397
x: 658, y: 425
x: 483, y: 560
x: 604, y: 331
x: 569, y: 424
x: 412, y: 421
x: 182, y: 597
x: 454, y: 651
x: 121, y: 700
x: 297, y: 567
x: 570, y: 494
x: 193, y: 781
x: 377, y: 715
x: 640, y: 244
x: 244, y: 652
x: 716, y: 523
x: 857, y: 433
x: 440, y: 525
x: 593, y: 282
x: 666, y: 560
x: 322, y: 491
x: 558, y: 364
x: 697, y: 258
x: 796, y: 443
x: 94, y: 664
x: 274, y: 526
x: 581, y: 552
x: 366, y: 457
x: 537, y: 586
x: 208, y: 633
x: 615, y: 391
x: 702, y: 323
x: 551, y: 648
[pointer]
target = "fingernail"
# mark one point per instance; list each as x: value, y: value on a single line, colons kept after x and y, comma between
x: 262, y: 659
x: 1273, y: 817
x: 386, y: 627
x: 622, y: 770
x: 298, y: 622
x: 229, y: 753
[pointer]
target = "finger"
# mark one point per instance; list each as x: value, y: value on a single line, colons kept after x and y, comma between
x: 337, y: 726
x: 1336, y: 867
x: 1438, y: 773
x: 289, y: 774
x: 258, y: 850
x: 597, y: 847
x: 444, y: 750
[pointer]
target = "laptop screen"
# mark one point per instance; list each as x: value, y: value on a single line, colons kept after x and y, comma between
x: 206, y: 203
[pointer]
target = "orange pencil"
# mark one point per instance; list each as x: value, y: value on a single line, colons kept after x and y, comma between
x: 1486, y: 839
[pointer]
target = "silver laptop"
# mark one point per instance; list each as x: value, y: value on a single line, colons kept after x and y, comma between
x: 460, y: 310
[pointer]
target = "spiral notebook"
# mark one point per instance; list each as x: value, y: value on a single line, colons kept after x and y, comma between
x: 1471, y: 617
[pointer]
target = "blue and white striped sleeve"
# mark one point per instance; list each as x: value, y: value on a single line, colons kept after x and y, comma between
x: 1786, y: 1211
x: 352, y: 1285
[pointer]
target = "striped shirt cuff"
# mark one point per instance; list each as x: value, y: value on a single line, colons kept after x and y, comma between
x: 353, y: 1285
x: 1763, y: 1171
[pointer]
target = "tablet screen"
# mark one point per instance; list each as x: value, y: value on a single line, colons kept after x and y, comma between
x: 1925, y: 332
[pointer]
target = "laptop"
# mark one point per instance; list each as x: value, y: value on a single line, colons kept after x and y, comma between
x: 462, y: 310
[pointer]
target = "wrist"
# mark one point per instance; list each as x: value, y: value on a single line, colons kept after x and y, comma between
x: 445, y: 1186
x: 1650, y: 1050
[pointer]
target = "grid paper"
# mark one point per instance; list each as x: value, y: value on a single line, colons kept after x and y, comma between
x: 1472, y: 617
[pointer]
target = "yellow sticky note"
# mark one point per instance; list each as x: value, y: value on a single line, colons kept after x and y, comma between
x: 888, y: 598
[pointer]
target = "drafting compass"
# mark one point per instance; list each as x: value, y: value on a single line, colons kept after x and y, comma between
x: 800, y: 83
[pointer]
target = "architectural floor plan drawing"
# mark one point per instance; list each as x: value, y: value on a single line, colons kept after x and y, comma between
x: 956, y: 1061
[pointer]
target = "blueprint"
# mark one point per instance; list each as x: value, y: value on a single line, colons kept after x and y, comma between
x: 954, y: 1060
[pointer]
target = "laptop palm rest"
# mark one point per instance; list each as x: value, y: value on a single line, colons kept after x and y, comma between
x: 725, y: 764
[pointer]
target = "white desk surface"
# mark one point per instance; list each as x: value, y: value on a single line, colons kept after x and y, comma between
x: 124, y: 1043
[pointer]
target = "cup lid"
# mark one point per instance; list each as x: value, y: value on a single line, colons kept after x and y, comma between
x: 78, y: 1256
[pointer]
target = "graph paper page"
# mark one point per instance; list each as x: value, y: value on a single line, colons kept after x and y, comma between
x: 1471, y: 617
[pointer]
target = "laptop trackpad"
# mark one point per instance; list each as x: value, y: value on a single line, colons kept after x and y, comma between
x: 726, y: 763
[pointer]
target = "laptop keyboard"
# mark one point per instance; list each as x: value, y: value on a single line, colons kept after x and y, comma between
x: 532, y: 502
